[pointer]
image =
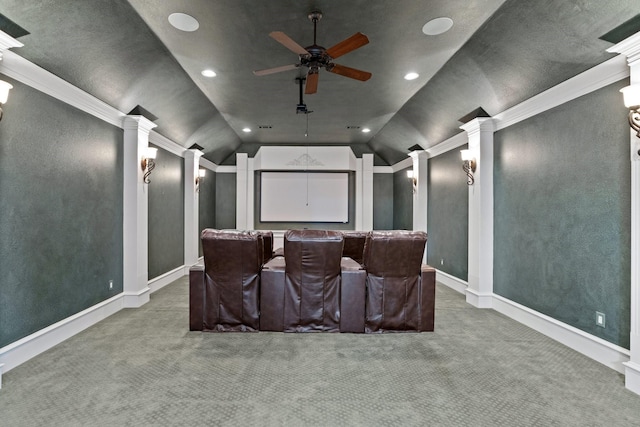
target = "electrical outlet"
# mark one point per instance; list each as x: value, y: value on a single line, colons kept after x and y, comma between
x: 110, y: 285
x: 600, y: 319
x: 441, y: 261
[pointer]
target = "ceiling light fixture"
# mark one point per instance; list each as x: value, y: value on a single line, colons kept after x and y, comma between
x: 366, y: 130
x: 437, y: 26
x: 411, y: 76
x: 184, y: 22
x: 246, y: 130
x: 208, y: 73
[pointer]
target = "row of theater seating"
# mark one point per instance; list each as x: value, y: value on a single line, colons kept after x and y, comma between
x: 322, y: 280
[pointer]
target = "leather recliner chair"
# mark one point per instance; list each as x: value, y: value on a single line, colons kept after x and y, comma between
x: 354, y: 245
x: 400, y: 289
x: 224, y: 293
x: 301, y: 292
x: 267, y: 245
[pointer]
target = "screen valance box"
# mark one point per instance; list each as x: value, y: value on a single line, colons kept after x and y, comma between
x: 304, y: 197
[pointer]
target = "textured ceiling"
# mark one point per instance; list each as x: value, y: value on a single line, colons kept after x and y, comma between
x: 497, y: 54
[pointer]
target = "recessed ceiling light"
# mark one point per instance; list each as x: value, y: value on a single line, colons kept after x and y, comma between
x: 411, y: 76
x: 366, y: 130
x: 437, y: 26
x: 246, y: 130
x: 208, y: 73
x: 184, y: 22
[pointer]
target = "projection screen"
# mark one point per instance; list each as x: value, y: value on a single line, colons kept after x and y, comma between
x: 304, y: 197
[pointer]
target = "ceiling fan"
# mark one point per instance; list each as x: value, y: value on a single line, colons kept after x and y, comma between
x: 315, y: 57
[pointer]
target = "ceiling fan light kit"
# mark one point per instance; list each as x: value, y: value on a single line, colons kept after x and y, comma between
x: 315, y: 57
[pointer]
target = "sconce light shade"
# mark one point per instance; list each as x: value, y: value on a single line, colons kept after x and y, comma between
x: 4, y: 94
x: 201, y: 174
x: 147, y: 163
x: 4, y: 91
x: 631, y: 95
x: 413, y: 179
x: 468, y: 165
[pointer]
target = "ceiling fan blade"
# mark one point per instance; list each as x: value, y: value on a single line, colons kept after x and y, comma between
x: 311, y: 86
x: 351, y: 72
x: 288, y: 42
x: 274, y: 70
x: 345, y: 46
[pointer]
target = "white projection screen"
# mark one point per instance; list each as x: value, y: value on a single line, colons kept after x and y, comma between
x: 304, y: 197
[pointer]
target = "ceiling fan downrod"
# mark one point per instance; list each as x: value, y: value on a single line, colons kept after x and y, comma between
x: 315, y: 16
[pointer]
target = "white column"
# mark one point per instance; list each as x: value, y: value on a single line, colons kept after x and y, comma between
x: 631, y: 49
x: 420, y: 194
x: 367, y: 192
x: 250, y: 194
x: 358, y: 224
x: 480, y: 272
x: 135, y: 212
x: 242, y: 169
x: 191, y: 205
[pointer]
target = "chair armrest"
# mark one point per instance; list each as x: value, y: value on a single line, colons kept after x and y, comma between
x: 272, y: 280
x: 196, y: 297
x: 352, y: 296
x: 427, y: 297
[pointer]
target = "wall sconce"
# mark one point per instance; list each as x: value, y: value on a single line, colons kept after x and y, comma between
x: 147, y: 163
x: 413, y: 179
x: 4, y: 94
x: 468, y: 165
x: 631, y: 95
x: 201, y: 174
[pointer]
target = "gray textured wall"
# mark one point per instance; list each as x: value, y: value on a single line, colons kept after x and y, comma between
x: 382, y: 201
x: 226, y: 200
x: 61, y: 212
x: 562, y: 213
x: 448, y: 214
x: 402, y: 201
x: 350, y: 225
x: 166, y: 214
x: 207, y: 204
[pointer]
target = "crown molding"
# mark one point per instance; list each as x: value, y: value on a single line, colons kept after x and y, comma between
x: 18, y: 68
x: 591, y: 80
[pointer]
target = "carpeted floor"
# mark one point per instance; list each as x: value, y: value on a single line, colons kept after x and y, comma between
x: 143, y: 367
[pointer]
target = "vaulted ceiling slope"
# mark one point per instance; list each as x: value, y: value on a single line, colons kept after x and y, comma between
x: 497, y: 54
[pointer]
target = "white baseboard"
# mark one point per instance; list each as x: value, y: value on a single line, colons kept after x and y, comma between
x: 163, y: 280
x: 452, y: 282
x: 610, y: 355
x: 30, y: 346
x: 591, y: 346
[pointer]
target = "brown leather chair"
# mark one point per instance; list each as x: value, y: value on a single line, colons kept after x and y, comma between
x: 354, y: 245
x: 267, y: 245
x: 300, y: 292
x: 400, y: 289
x: 223, y: 294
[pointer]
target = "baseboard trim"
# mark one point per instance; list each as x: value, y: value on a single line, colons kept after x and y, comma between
x: 163, y: 280
x: 452, y: 282
x: 610, y: 355
x: 32, y: 345
x: 632, y: 376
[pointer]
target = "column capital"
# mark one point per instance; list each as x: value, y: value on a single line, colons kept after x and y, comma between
x: 629, y: 47
x: 7, y: 42
x: 479, y: 124
x: 140, y: 123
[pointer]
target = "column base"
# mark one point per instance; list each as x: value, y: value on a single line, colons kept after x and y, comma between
x: 137, y: 299
x: 632, y: 376
x: 478, y: 299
